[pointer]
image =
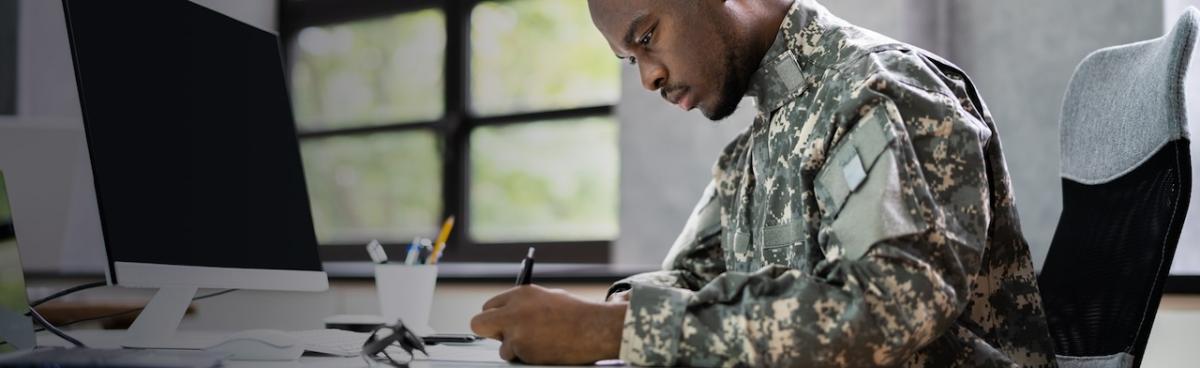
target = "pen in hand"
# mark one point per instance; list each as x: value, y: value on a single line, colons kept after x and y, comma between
x: 526, y: 275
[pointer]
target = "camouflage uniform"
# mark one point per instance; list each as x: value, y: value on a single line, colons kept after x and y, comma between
x: 865, y: 218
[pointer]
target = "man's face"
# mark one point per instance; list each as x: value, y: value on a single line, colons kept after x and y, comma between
x: 688, y: 50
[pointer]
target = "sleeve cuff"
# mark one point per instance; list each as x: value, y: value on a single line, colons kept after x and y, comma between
x: 653, y: 325
x: 665, y: 278
x: 617, y: 287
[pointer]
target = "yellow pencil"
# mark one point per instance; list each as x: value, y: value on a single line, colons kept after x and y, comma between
x: 441, y: 240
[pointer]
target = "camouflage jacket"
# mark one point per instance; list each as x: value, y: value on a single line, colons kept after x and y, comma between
x: 865, y: 218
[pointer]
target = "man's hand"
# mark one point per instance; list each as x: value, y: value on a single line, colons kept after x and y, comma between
x: 544, y: 326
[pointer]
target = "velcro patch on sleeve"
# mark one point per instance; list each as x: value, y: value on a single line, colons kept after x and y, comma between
x: 861, y: 192
x: 850, y: 161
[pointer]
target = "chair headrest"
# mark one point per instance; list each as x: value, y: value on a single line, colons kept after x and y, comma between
x: 1125, y: 102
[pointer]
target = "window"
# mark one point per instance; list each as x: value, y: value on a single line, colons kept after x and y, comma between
x: 527, y: 55
x: 498, y: 112
x: 370, y: 72
x: 525, y: 194
x: 8, y: 57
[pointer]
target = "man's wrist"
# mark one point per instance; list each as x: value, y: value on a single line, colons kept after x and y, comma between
x: 611, y: 323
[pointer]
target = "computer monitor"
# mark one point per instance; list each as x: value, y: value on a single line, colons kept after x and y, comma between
x: 194, y: 153
x: 16, y: 329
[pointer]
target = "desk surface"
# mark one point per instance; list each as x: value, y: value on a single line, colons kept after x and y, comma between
x: 480, y: 355
x: 502, y: 272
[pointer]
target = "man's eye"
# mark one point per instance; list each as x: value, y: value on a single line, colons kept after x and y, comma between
x: 645, y: 40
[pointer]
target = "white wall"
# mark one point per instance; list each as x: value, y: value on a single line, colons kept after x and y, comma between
x: 1187, y: 255
x: 43, y: 155
x: 1172, y: 339
x: 1021, y: 53
x: 666, y: 160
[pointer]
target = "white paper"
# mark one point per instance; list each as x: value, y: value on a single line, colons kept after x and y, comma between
x: 483, y: 351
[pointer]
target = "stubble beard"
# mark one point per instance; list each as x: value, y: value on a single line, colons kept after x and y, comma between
x: 733, y: 86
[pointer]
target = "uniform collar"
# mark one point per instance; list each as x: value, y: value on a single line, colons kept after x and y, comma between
x: 780, y: 76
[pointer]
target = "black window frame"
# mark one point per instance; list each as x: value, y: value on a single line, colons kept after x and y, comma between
x: 453, y: 129
x: 8, y: 56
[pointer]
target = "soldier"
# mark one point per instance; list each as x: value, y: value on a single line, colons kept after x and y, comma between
x: 865, y: 218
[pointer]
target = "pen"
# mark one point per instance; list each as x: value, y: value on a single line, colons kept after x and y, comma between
x: 441, y: 240
x: 411, y: 257
x: 425, y: 252
x: 526, y: 276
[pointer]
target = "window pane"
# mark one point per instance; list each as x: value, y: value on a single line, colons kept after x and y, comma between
x: 370, y: 72
x: 384, y: 186
x: 544, y: 181
x: 538, y: 54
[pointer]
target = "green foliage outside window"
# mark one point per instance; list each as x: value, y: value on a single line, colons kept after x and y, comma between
x: 370, y: 72
x: 383, y: 186
x: 550, y: 180
x: 533, y: 55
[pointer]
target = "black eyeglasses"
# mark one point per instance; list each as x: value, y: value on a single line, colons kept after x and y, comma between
x: 376, y: 347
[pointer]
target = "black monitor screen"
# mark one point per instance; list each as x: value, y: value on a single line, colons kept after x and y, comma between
x: 191, y: 137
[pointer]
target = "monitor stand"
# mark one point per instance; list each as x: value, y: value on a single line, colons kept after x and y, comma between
x: 157, y: 326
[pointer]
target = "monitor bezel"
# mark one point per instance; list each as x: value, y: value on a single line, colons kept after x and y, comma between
x: 153, y: 275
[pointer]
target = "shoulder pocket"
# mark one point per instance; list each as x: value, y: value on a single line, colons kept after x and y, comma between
x: 850, y: 161
x: 861, y: 192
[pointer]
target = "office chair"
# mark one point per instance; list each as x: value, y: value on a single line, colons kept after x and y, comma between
x: 1126, y: 174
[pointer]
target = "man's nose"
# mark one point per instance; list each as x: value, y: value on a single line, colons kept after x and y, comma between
x: 653, y: 74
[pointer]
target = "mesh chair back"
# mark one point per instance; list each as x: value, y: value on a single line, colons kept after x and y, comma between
x: 1126, y: 174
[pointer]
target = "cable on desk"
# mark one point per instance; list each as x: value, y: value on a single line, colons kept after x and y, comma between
x: 54, y: 330
x: 135, y: 310
x: 68, y: 291
x: 214, y: 294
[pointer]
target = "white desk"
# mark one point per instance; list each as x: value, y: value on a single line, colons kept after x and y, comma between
x: 482, y: 355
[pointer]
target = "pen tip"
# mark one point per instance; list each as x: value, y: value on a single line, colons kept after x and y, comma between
x: 530, y: 255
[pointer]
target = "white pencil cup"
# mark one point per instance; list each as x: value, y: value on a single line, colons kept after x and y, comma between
x: 406, y: 293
